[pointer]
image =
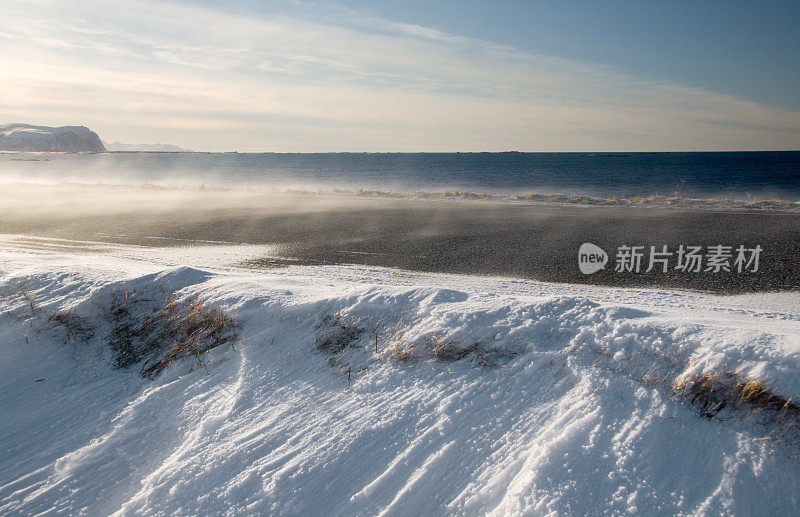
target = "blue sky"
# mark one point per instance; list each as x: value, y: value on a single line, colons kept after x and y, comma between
x: 745, y: 48
x: 353, y: 75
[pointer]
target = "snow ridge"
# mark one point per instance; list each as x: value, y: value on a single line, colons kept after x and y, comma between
x: 570, y: 424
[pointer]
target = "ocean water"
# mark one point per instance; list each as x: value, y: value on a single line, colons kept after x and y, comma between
x: 733, y: 175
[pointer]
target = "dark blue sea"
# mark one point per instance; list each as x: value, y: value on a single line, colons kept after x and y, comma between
x: 735, y: 175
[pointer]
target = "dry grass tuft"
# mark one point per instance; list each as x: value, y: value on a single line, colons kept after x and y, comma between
x: 451, y: 350
x: 76, y: 328
x: 32, y: 305
x: 337, y: 333
x: 438, y: 349
x: 352, y: 345
x: 403, y: 352
x: 147, y: 325
x: 714, y: 391
x: 494, y: 357
x: 21, y: 301
x: 163, y: 332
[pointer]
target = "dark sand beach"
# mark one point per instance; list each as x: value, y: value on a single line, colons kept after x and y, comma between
x: 471, y: 237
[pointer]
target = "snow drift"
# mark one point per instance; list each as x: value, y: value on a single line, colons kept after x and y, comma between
x: 25, y: 137
x: 577, y: 414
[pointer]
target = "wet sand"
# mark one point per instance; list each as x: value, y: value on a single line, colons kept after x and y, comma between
x: 471, y: 237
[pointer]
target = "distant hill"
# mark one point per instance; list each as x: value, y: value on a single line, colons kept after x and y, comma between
x: 26, y: 137
x: 159, y: 148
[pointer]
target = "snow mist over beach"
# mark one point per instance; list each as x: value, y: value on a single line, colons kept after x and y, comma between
x: 743, y: 176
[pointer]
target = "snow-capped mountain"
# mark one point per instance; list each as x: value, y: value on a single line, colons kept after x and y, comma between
x: 157, y: 148
x: 26, y: 137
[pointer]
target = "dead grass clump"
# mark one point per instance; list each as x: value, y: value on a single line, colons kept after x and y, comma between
x: 652, y: 377
x: 32, y: 305
x: 494, y: 357
x: 76, y: 327
x: 163, y: 332
x: 337, y: 333
x: 715, y: 391
x: 20, y: 300
x: 348, y: 343
x: 437, y: 349
x: 451, y: 350
x: 483, y: 355
x: 403, y: 353
x: 18, y: 297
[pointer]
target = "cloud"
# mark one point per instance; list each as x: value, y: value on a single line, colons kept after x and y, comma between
x: 289, y: 81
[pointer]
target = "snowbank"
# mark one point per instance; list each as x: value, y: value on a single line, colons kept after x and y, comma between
x: 25, y: 137
x: 576, y: 416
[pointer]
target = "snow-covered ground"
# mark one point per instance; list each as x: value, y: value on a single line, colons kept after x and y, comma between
x: 573, y: 413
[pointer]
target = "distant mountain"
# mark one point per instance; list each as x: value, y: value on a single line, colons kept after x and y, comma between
x: 25, y: 137
x: 158, y: 148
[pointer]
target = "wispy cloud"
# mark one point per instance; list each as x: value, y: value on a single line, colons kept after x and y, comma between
x: 290, y: 81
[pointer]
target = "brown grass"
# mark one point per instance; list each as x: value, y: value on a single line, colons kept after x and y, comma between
x: 336, y: 333
x: 76, y: 328
x: 714, y: 392
x: 402, y: 352
x: 18, y: 293
x: 351, y: 345
x: 436, y: 348
x: 164, y: 332
x: 32, y: 305
x: 451, y: 350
